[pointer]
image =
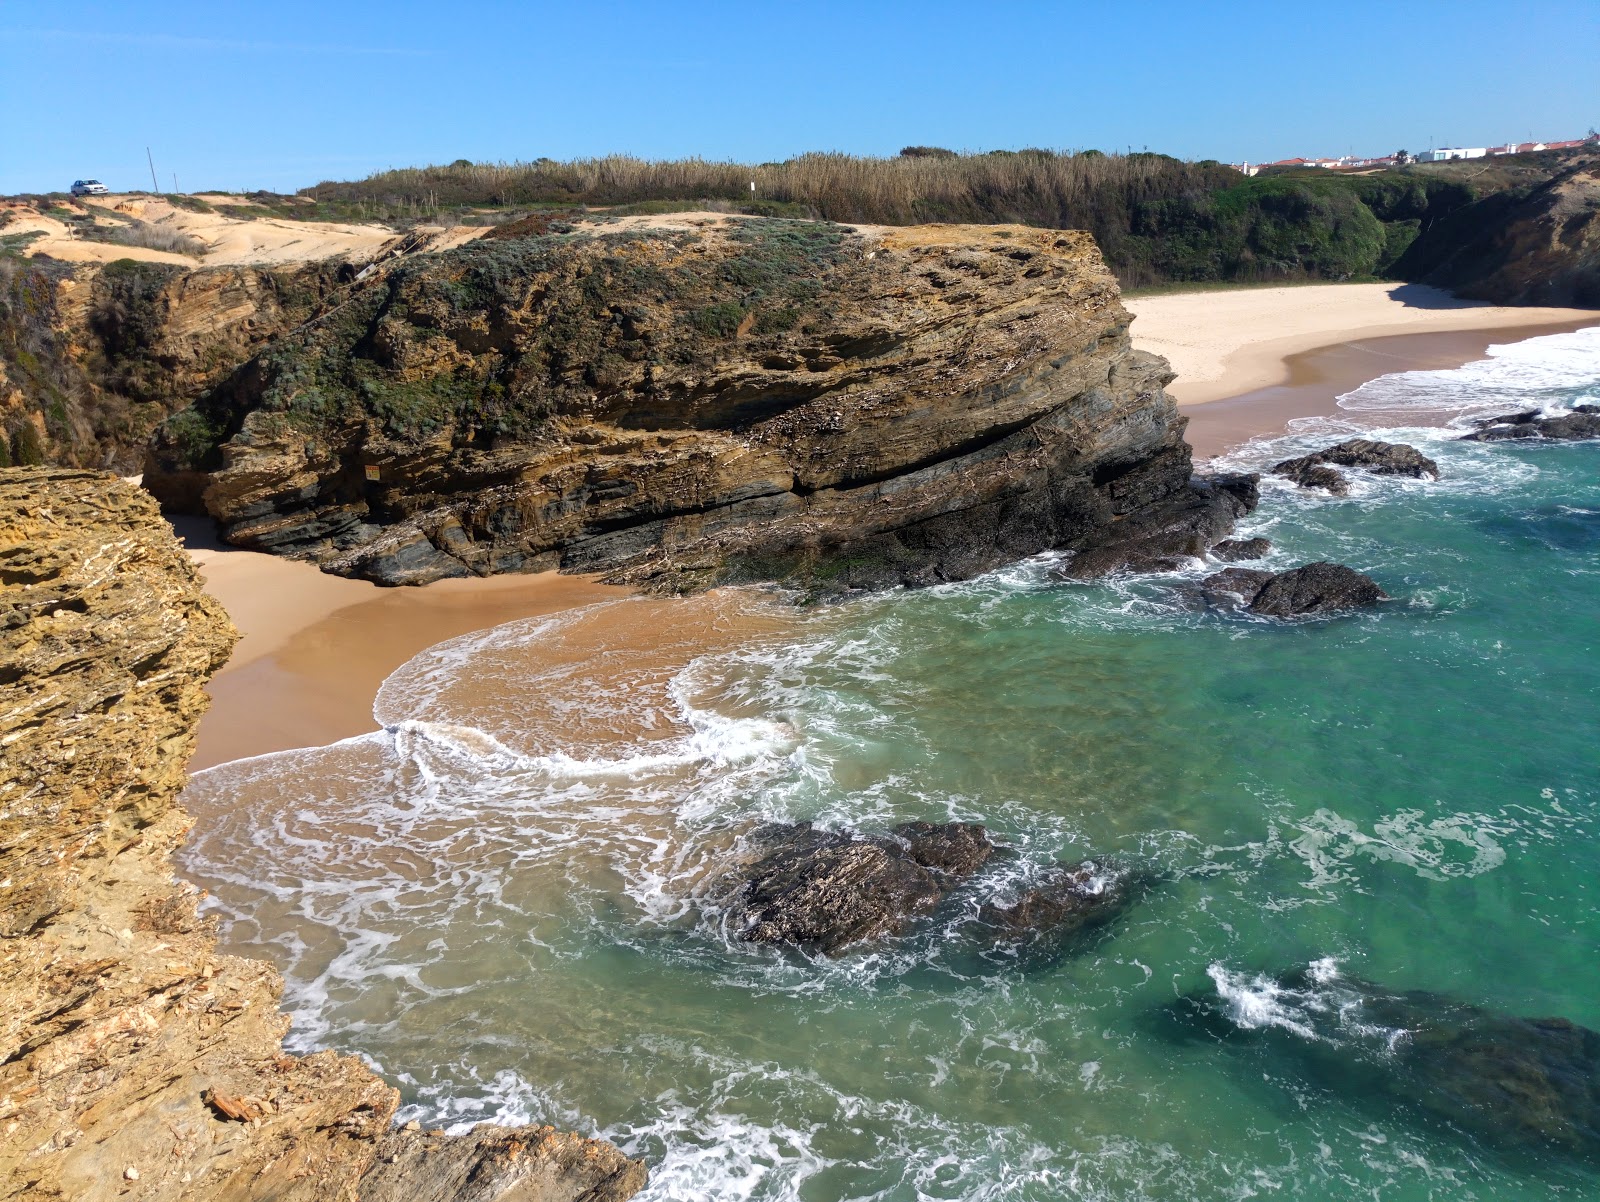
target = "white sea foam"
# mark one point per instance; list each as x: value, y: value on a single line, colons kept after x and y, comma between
x: 1527, y: 374
x: 1323, y: 1010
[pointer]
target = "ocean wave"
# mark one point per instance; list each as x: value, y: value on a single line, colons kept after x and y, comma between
x: 1552, y: 369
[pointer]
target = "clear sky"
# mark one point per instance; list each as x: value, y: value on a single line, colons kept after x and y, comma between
x: 281, y: 95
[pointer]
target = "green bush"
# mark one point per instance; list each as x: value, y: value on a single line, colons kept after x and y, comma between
x: 27, y: 449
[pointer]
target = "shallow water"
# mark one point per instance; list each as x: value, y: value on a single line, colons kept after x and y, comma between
x: 502, y: 897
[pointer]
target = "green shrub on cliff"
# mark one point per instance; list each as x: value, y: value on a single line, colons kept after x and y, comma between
x: 27, y: 448
x: 488, y: 341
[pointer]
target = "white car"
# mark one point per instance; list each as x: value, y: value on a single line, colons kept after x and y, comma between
x: 88, y: 187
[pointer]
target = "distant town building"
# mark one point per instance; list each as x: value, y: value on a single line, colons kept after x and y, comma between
x: 1441, y: 155
x: 1445, y: 153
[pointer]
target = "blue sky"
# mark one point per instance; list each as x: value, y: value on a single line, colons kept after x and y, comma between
x: 281, y: 95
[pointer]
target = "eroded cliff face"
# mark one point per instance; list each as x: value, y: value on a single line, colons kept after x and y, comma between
x: 715, y: 400
x: 136, y: 1062
x: 1535, y: 245
x: 94, y: 356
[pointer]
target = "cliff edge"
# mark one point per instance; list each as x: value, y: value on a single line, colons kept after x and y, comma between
x: 691, y: 402
x: 136, y: 1061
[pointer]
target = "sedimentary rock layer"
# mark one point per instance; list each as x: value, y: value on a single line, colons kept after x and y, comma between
x: 136, y: 1061
x: 721, y: 400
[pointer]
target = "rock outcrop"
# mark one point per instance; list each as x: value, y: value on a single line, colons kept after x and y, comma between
x: 136, y: 1061
x: 708, y: 401
x: 1380, y: 458
x: 95, y: 356
x: 1071, y: 901
x: 1159, y: 537
x: 826, y: 891
x: 1581, y: 423
x: 1231, y: 550
x: 1316, y: 588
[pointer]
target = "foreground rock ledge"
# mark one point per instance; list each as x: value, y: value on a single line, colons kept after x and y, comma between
x: 716, y: 401
x: 136, y: 1062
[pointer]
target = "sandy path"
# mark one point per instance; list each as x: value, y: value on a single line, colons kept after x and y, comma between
x: 1230, y: 342
x: 228, y: 240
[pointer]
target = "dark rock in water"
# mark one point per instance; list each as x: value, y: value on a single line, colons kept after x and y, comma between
x: 1072, y: 901
x: 1160, y: 537
x: 1243, y: 487
x: 1529, y: 1082
x: 1383, y: 458
x: 1316, y: 588
x: 1583, y: 422
x: 1232, y: 549
x: 1106, y: 561
x: 1312, y: 473
x: 824, y: 890
x: 1233, y: 587
x: 954, y: 850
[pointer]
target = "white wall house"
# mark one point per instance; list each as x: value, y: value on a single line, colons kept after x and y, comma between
x: 1451, y: 152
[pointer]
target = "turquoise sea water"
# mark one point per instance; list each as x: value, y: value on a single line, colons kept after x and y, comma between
x: 500, y: 897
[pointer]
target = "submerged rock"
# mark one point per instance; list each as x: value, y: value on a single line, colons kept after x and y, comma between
x: 1382, y: 458
x: 1583, y: 422
x: 1232, y: 549
x: 826, y: 890
x: 1510, y: 1081
x: 1072, y: 900
x: 1316, y: 588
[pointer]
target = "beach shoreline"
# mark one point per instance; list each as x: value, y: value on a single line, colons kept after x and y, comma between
x: 316, y: 648
x: 1314, y: 379
x: 1229, y: 343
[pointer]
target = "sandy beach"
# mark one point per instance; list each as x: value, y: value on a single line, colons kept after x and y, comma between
x: 1231, y: 342
x: 315, y: 648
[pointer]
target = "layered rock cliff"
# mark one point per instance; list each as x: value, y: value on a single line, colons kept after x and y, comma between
x: 94, y: 356
x: 136, y: 1061
x: 684, y: 404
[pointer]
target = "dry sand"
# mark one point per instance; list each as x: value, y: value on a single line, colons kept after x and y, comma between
x: 227, y: 239
x: 1231, y: 342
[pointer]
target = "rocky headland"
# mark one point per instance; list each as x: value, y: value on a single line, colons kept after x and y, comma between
x: 138, y: 1061
x: 702, y: 401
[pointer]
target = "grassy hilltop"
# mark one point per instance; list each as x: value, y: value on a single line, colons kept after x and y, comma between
x: 1158, y: 220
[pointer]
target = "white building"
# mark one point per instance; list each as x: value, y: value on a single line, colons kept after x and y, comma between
x: 1445, y: 153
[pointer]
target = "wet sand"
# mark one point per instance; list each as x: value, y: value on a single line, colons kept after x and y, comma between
x: 1316, y: 378
x: 316, y: 648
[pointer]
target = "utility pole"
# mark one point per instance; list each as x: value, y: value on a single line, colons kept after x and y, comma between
x: 154, y: 187
x: 174, y: 183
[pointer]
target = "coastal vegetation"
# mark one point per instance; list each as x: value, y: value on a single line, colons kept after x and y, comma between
x: 1157, y: 219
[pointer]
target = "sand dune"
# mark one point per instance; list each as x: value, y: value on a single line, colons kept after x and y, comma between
x: 227, y: 239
